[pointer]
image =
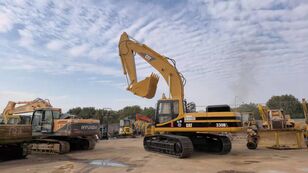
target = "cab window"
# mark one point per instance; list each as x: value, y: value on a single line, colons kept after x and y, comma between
x: 167, y: 110
x: 176, y: 107
x: 164, y: 108
x: 56, y: 115
x: 37, y: 121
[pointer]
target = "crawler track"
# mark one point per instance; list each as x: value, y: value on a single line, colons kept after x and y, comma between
x: 212, y: 143
x: 50, y: 146
x: 175, y: 145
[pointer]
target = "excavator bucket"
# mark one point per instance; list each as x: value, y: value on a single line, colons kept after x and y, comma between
x: 146, y: 88
x: 282, y: 139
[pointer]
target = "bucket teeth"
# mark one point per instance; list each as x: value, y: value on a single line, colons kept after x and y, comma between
x: 147, y: 87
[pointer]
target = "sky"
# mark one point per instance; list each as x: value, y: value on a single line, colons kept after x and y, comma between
x: 230, y: 52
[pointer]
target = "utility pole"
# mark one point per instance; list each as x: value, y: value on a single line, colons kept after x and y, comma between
x: 107, y: 118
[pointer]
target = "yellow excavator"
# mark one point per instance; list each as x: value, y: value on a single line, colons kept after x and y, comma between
x: 176, y: 132
x: 278, y: 131
x: 126, y: 128
x: 305, y: 109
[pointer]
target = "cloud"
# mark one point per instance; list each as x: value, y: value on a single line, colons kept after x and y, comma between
x: 5, y: 22
x: 78, y: 50
x: 232, y: 44
x: 26, y: 38
x: 55, y: 45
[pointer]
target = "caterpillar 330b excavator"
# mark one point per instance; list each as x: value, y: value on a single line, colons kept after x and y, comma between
x: 176, y: 132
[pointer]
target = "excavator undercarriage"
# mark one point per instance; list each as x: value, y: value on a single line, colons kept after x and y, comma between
x: 62, y: 145
x: 182, y: 145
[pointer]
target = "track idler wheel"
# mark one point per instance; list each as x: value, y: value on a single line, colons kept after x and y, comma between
x: 178, y: 149
x: 212, y: 143
x: 64, y: 147
x: 252, y: 145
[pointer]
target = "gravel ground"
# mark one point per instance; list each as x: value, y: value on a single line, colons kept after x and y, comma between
x: 128, y: 155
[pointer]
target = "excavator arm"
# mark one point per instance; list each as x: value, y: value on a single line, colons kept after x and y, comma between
x: 147, y: 87
x: 25, y: 107
x: 264, y: 115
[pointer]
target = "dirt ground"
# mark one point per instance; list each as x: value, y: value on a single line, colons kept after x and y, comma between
x: 128, y: 155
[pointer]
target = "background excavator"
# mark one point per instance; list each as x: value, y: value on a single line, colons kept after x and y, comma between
x: 305, y: 109
x: 15, y: 129
x: 142, y: 124
x: 175, y: 131
x: 126, y: 128
x: 278, y: 131
x: 11, y: 113
x: 52, y: 131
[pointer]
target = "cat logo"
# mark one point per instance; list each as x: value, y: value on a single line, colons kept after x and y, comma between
x: 149, y: 58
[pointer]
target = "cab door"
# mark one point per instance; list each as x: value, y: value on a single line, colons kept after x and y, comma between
x: 47, y: 122
x: 42, y: 122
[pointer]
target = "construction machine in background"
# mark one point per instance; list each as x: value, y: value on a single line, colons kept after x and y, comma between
x: 15, y: 129
x: 12, y: 113
x: 142, y: 125
x: 278, y: 131
x: 126, y: 128
x: 176, y: 132
x: 51, y: 131
x: 305, y: 110
x: 54, y: 132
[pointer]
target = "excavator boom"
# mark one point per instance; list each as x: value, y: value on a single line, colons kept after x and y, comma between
x: 25, y: 107
x: 147, y: 87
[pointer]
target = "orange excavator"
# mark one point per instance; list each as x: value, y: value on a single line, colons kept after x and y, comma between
x: 15, y: 129
x: 50, y: 130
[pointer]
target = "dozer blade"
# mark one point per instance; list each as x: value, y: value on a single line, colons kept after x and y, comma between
x: 282, y: 139
x: 146, y: 88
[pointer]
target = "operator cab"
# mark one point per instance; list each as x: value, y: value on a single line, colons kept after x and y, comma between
x: 125, y: 123
x: 43, y: 119
x: 166, y: 111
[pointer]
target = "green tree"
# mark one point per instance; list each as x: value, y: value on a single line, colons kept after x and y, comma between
x: 75, y: 111
x: 113, y: 116
x: 249, y: 107
x: 148, y: 111
x: 129, y: 112
x: 290, y: 105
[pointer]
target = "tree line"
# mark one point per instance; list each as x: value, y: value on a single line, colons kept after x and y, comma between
x: 112, y: 115
x: 290, y: 105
